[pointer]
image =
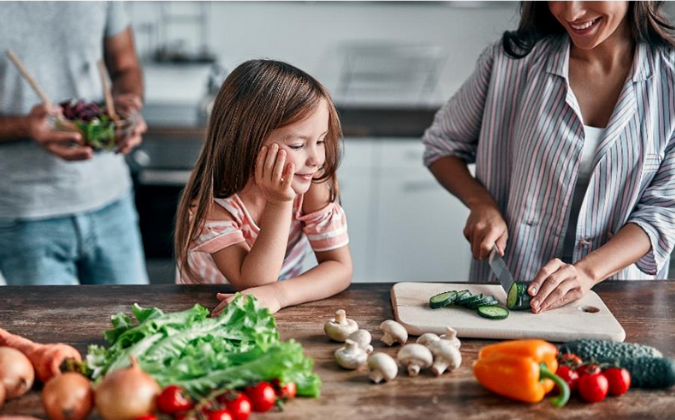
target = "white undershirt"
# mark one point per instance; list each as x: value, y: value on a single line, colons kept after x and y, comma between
x: 591, y: 142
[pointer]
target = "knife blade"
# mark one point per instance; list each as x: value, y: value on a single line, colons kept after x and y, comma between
x: 499, y: 268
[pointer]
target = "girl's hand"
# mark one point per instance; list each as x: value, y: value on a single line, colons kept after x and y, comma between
x: 558, y: 284
x: 267, y: 297
x: 484, y: 228
x: 273, y: 176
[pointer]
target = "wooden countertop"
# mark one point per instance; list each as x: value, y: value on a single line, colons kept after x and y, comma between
x: 78, y: 315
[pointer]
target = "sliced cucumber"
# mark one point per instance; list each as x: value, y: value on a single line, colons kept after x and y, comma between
x: 472, y: 300
x: 485, y: 301
x: 518, y: 299
x: 442, y: 299
x: 493, y: 312
x: 463, y: 297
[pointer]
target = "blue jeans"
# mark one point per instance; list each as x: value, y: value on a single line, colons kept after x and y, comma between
x: 98, y: 247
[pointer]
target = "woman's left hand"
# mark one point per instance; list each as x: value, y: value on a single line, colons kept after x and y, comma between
x: 267, y: 297
x: 558, y: 284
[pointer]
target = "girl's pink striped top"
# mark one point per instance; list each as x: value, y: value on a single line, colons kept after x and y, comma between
x: 323, y: 230
x: 520, y: 122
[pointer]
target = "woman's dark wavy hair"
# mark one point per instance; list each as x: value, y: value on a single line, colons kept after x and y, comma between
x: 536, y: 22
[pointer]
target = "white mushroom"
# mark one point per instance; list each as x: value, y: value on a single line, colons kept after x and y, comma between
x: 427, y: 338
x: 451, y: 335
x: 363, y: 338
x: 393, y: 333
x: 414, y: 357
x: 382, y: 367
x: 446, y: 356
x: 339, y: 328
x: 350, y: 356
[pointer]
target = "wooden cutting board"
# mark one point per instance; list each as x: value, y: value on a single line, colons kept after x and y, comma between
x: 585, y: 318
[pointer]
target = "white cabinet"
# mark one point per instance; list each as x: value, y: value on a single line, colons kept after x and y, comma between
x: 403, y: 226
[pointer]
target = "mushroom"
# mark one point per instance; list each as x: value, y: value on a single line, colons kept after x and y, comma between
x: 393, y: 333
x: 446, y: 356
x: 414, y: 357
x: 382, y: 366
x: 339, y: 328
x: 350, y: 356
x: 362, y: 337
x: 451, y: 335
x: 427, y: 338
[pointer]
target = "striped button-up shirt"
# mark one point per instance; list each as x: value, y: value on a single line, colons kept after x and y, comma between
x: 520, y: 122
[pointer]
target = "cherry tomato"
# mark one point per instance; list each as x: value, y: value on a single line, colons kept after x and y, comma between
x: 588, y: 369
x: 568, y: 375
x: 173, y: 399
x: 180, y: 416
x: 285, y: 392
x: 593, y: 387
x: 570, y: 359
x: 262, y: 396
x: 619, y: 380
x: 239, y: 406
x: 147, y: 417
x: 220, y: 415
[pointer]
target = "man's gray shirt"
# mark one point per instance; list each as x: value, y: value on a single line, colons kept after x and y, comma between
x: 60, y: 44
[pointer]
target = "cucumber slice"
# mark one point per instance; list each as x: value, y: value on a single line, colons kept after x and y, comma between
x: 472, y: 300
x: 493, y: 312
x: 485, y: 301
x: 465, y: 296
x: 442, y: 299
x: 518, y: 299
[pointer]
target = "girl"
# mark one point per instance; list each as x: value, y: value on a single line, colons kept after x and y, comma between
x: 264, y: 190
x: 570, y: 120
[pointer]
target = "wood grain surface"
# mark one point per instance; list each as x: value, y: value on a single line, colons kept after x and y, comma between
x: 77, y: 315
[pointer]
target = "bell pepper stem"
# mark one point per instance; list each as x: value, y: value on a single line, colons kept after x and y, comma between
x: 563, y: 388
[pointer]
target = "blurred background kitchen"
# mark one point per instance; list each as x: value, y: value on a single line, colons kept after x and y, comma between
x: 389, y: 66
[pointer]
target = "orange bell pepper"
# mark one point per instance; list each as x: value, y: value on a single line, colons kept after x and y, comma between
x: 521, y: 369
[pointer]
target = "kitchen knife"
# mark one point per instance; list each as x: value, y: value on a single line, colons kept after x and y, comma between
x: 499, y: 268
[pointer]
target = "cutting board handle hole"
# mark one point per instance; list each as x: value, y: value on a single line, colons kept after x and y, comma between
x: 589, y: 309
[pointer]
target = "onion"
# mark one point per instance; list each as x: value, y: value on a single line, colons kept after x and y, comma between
x: 16, y: 372
x: 126, y: 393
x: 68, y: 396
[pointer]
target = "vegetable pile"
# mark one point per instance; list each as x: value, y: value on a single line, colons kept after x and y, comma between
x: 239, y: 348
x: 96, y: 127
x: 486, y: 306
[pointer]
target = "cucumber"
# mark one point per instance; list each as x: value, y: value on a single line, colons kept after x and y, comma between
x: 589, y: 349
x: 442, y: 299
x: 493, y: 312
x: 470, y: 301
x: 647, y: 372
x: 518, y: 299
x: 485, y: 301
x: 463, y: 297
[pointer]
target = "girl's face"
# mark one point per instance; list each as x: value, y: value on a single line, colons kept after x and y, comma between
x: 303, y: 142
x: 589, y: 23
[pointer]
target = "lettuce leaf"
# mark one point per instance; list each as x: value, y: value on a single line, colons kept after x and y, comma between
x: 238, y: 348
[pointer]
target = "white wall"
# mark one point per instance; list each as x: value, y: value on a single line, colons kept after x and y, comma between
x: 309, y: 34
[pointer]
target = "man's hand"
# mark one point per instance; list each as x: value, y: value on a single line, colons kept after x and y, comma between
x: 273, y: 176
x: 484, y: 228
x: 67, y: 145
x: 558, y: 284
x: 267, y: 296
x: 129, y: 105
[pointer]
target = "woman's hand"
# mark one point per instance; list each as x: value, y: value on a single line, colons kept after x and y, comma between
x: 267, y: 297
x: 484, y: 228
x: 273, y: 176
x: 558, y: 284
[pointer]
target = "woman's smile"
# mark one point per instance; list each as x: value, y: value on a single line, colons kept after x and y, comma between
x: 583, y: 28
x: 305, y: 177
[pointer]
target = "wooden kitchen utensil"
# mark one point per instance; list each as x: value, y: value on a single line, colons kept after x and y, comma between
x: 107, y: 94
x: 588, y: 317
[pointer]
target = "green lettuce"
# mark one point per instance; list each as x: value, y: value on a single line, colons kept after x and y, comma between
x: 238, y: 348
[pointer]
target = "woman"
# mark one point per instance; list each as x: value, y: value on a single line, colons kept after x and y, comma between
x: 570, y: 121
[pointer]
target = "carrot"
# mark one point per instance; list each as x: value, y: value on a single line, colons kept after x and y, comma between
x: 46, y: 358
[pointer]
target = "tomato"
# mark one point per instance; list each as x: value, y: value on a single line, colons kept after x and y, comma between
x: 593, y: 387
x: 262, y: 396
x: 147, y: 417
x: 220, y: 415
x: 240, y: 407
x: 568, y: 375
x: 619, y: 380
x: 287, y: 391
x: 570, y: 359
x: 588, y: 369
x: 173, y: 399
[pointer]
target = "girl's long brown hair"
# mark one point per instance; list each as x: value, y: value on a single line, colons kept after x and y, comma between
x: 536, y: 22
x: 257, y: 97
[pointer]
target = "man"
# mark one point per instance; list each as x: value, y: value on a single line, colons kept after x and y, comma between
x: 67, y: 214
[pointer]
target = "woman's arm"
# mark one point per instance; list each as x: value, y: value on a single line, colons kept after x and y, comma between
x: 558, y: 283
